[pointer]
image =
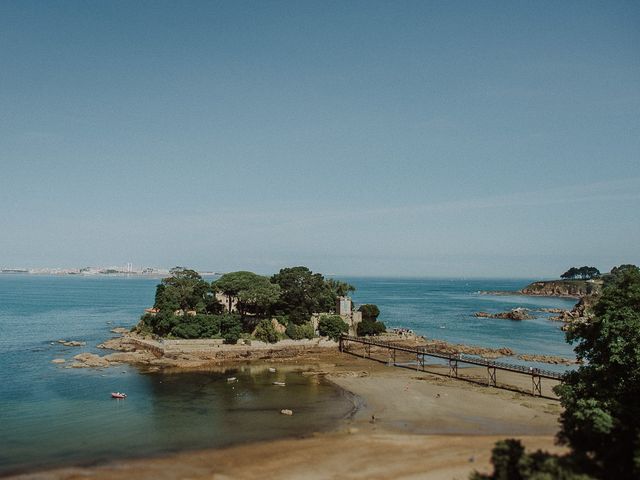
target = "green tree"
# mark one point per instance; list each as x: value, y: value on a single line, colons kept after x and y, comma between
x: 584, y: 273
x: 299, y: 332
x: 186, y: 290
x: 332, y: 326
x: 303, y: 293
x: 258, y: 297
x: 369, y: 311
x: 601, y: 420
x: 340, y: 288
x: 230, y: 328
x: 370, y: 327
x: 253, y: 293
x: 266, y: 332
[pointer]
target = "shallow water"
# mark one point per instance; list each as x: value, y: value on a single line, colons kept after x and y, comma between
x: 50, y: 415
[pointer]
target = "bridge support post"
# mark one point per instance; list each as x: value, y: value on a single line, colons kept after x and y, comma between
x: 492, y: 376
x: 536, y: 385
x: 453, y: 367
x: 419, y: 361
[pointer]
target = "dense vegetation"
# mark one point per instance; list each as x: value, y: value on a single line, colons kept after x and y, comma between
x: 582, y: 273
x: 370, y: 324
x: 186, y: 305
x: 601, y: 418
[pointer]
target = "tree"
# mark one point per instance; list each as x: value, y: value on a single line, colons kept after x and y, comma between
x: 584, y: 273
x: 340, y: 288
x: 230, y: 328
x: 258, y: 297
x: 370, y: 327
x: 369, y: 312
x: 253, y: 293
x: 601, y: 420
x: 303, y: 293
x: 266, y: 332
x: 186, y: 290
x: 332, y: 326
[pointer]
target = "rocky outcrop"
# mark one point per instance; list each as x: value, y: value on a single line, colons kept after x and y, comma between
x: 515, y: 314
x: 72, y: 343
x: 552, y: 359
x: 579, y: 314
x: 563, y: 288
x: 89, y: 360
x: 440, y: 346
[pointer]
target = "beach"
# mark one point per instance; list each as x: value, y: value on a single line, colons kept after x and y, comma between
x: 406, y: 424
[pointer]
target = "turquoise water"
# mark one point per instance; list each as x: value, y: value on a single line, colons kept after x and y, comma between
x: 50, y: 415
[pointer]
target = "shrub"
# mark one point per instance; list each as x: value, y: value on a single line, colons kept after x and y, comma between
x: 298, y: 332
x: 230, y: 328
x: 369, y: 311
x: 266, y: 332
x: 368, y: 327
x: 332, y: 326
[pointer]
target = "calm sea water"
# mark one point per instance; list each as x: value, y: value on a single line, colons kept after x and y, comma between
x: 51, y: 415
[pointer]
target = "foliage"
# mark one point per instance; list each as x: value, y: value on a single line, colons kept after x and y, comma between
x: 185, y: 290
x: 332, y: 326
x: 252, y: 292
x: 369, y: 311
x: 370, y: 327
x: 258, y: 297
x: 303, y: 293
x: 340, y: 288
x: 198, y: 326
x: 601, y: 420
x: 510, y: 462
x: 299, y: 332
x: 601, y: 417
x: 230, y: 328
x: 584, y: 273
x: 266, y: 332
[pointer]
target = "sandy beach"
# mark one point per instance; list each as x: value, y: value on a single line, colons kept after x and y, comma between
x: 407, y: 425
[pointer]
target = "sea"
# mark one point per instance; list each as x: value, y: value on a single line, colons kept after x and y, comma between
x: 52, y: 416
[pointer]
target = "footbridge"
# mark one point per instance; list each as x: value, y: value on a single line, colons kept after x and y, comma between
x: 419, y: 353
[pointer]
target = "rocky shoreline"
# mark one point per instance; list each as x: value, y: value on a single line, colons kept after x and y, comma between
x: 514, y: 314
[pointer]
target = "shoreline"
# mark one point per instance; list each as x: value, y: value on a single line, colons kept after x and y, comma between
x: 404, y: 423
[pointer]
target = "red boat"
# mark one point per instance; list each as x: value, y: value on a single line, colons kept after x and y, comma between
x: 118, y: 395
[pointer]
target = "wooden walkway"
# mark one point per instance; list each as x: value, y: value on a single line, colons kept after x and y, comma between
x: 453, y: 360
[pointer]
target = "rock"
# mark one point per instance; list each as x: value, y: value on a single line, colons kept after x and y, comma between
x: 72, y: 343
x: 286, y: 411
x: 91, y: 360
x: 58, y: 360
x: 515, y: 314
x: 563, y: 288
x: 546, y: 359
x: 120, y: 330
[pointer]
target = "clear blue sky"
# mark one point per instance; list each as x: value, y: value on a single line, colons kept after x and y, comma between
x: 404, y: 138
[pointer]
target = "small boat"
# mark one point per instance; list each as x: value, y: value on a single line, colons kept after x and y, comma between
x: 118, y: 395
x: 272, y: 370
x: 280, y: 384
x: 231, y: 379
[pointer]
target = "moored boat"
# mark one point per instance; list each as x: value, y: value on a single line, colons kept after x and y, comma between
x: 118, y: 395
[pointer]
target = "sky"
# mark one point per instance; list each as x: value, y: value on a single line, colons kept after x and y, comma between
x: 427, y: 138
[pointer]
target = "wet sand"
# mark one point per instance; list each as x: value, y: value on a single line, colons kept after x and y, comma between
x: 409, y: 425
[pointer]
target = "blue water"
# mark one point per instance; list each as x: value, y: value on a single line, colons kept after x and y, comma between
x: 444, y: 309
x: 52, y: 415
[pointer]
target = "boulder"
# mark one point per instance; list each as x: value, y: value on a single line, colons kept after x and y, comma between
x: 58, y: 360
x: 91, y: 360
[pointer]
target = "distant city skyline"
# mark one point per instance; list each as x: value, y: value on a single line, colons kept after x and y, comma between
x: 414, y: 138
